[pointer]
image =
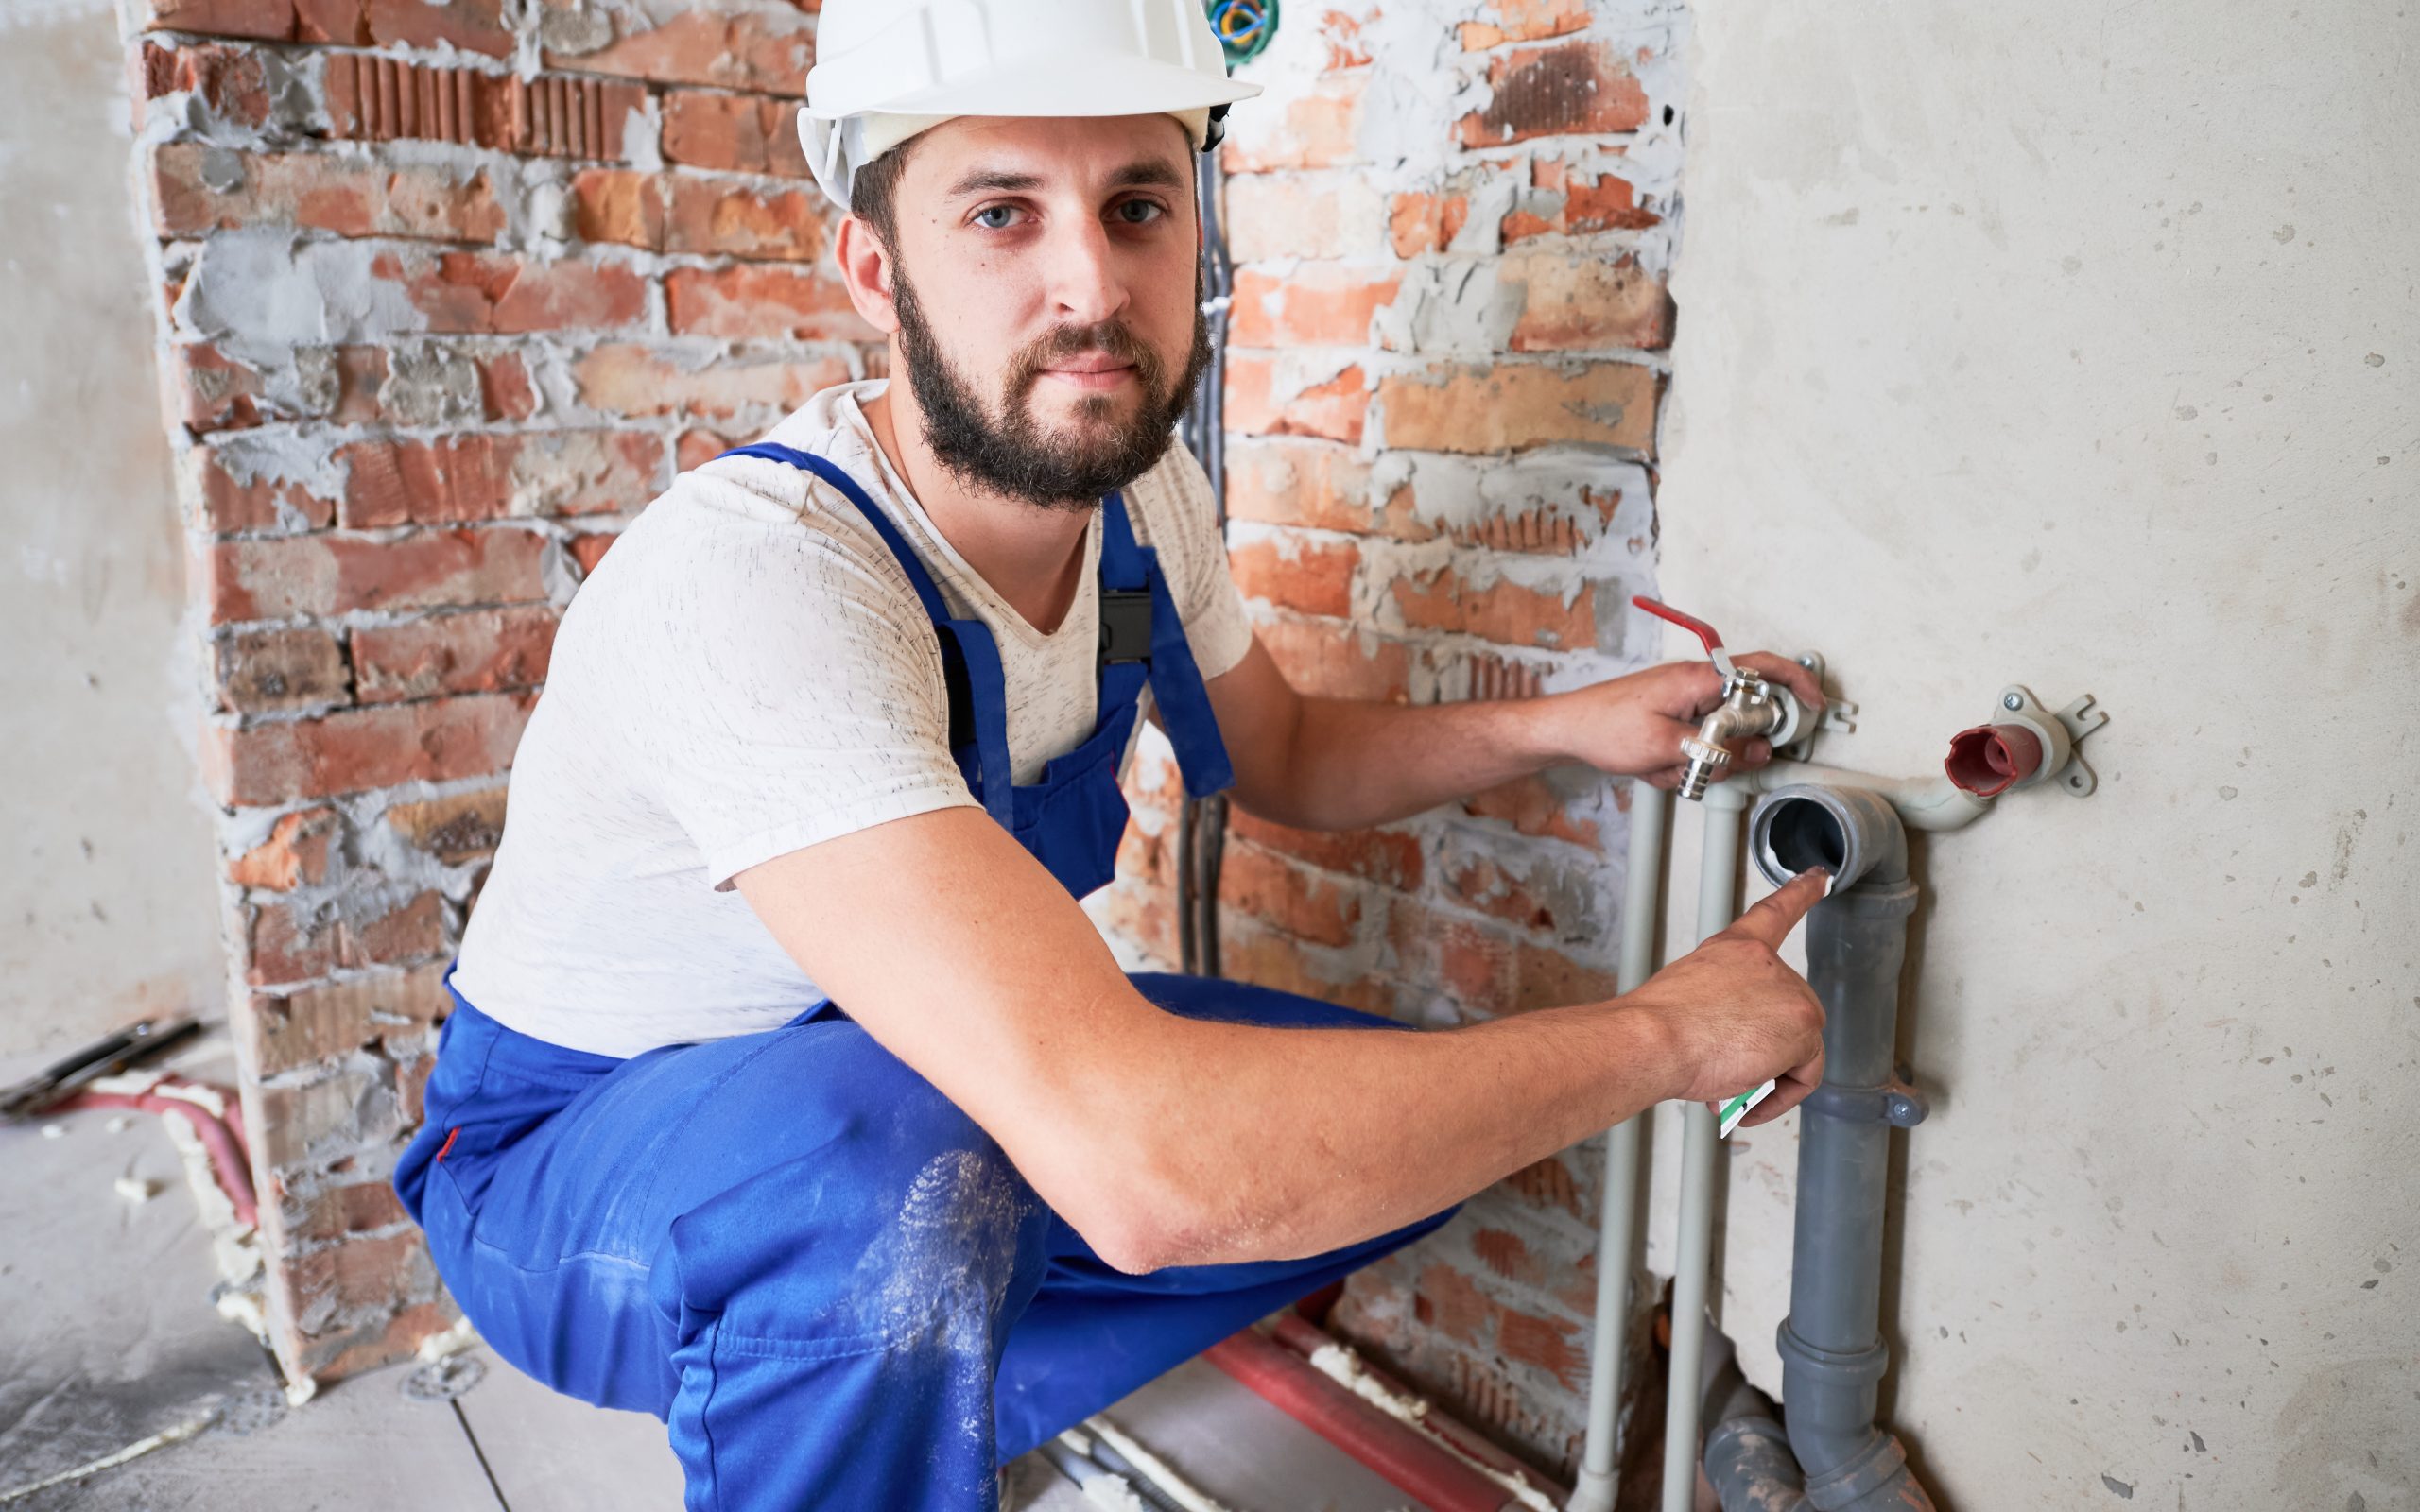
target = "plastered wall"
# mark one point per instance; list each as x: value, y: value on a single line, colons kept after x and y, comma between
x: 107, y: 905
x: 2077, y: 346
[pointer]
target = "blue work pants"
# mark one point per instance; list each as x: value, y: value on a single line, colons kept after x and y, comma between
x: 828, y: 1280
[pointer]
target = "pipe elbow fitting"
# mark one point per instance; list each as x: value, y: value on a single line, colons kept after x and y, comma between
x: 1853, y: 833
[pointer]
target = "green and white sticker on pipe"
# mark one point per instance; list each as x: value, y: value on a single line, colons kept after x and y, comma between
x: 1735, y: 1109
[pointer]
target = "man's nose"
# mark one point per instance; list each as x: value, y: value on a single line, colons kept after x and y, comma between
x: 1086, y: 285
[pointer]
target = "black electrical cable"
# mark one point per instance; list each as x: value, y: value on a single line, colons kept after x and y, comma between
x: 1201, y: 827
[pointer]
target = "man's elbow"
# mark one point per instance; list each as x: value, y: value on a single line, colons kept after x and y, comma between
x: 1141, y: 1214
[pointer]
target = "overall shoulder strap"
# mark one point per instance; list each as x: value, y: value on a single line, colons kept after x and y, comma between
x: 1131, y: 573
x: 970, y: 657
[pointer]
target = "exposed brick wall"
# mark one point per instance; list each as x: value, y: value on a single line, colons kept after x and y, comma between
x: 445, y: 292
x: 1452, y: 221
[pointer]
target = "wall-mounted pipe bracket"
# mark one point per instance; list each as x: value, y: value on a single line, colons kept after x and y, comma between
x: 1839, y: 715
x: 2025, y: 743
x: 1897, y: 1103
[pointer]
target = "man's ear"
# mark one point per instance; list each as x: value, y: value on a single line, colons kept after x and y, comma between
x: 866, y: 270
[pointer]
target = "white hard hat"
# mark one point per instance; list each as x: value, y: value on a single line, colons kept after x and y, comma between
x: 887, y: 69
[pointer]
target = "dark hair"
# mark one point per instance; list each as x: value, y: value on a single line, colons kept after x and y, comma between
x: 873, y: 194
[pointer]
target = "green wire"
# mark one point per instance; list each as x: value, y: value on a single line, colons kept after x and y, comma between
x: 1245, y: 28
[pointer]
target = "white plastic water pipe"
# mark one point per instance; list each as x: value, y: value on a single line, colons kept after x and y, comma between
x: 1692, y: 1264
x: 1651, y: 808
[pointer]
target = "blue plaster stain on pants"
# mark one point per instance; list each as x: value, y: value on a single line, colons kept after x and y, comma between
x: 829, y: 1282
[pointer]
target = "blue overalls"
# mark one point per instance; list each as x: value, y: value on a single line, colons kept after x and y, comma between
x: 828, y: 1280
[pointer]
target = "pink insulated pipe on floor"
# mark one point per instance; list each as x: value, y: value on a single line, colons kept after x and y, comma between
x: 1407, y: 1462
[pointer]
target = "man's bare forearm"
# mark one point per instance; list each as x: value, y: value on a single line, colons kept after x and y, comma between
x: 1355, y: 764
x: 1306, y: 1140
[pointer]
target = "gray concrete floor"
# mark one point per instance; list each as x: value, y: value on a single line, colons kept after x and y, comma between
x: 108, y: 1338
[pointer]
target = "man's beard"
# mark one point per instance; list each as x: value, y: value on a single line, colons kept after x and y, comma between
x: 1008, y: 453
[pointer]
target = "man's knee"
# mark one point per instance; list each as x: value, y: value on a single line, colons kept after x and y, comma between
x: 912, y: 1225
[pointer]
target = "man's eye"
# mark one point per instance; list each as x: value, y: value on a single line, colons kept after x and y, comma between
x: 996, y: 217
x: 1140, y: 212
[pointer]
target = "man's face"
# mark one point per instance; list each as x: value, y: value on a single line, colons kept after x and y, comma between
x: 1047, y: 282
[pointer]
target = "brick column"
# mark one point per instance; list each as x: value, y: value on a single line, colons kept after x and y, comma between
x: 1452, y: 221
x: 446, y: 293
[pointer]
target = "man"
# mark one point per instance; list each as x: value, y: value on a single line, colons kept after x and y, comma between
x: 789, y: 1095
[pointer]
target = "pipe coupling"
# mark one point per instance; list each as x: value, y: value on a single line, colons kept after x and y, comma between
x: 1853, y: 833
x: 1841, y: 1369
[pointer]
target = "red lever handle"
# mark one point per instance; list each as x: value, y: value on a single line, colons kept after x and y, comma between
x: 1707, y: 634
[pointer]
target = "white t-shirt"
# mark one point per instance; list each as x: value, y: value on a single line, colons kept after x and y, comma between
x: 747, y: 673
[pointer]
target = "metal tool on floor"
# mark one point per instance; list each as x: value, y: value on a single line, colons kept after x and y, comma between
x: 62, y: 1079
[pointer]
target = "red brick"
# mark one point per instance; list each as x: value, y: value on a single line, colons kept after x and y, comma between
x: 1588, y: 304
x: 1338, y: 661
x: 506, y: 293
x: 760, y: 302
x: 266, y: 671
x: 1317, y: 486
x: 455, y: 829
x: 1465, y: 407
x: 694, y: 448
x: 1607, y: 202
x: 475, y: 651
x: 588, y: 550
x: 1451, y: 1303
x: 366, y: 1347
x: 471, y: 26
x: 1299, y: 903
x: 1522, y: 21
x: 490, y: 477
x: 1505, y: 1254
x: 1311, y: 304
x: 1426, y: 223
x: 1484, y: 886
x: 1504, y: 612
x: 318, y: 192
x: 1141, y: 913
x: 1384, y: 857
x: 1547, y: 978
x: 230, y: 81
x: 621, y: 205
x: 643, y: 381
x: 280, y: 577
x: 353, y: 750
x: 1552, y: 1345
x: 1307, y: 576
x: 736, y: 133
x: 1316, y: 130
x: 1534, y: 809
x: 267, y: 20
x: 763, y: 50
x: 1473, y: 962
x: 360, y: 1273
x: 347, y: 1211
x: 1346, y: 48
x: 1547, y: 1184
x: 294, y: 855
x: 720, y: 217
x: 223, y: 503
x: 1266, y: 958
x: 1335, y: 407
x: 373, y: 98
x: 285, y: 949
x: 1579, y: 87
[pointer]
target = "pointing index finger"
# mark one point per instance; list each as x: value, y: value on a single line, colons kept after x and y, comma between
x: 1773, y: 917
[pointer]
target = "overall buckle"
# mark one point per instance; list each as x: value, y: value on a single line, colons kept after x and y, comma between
x: 1124, y: 625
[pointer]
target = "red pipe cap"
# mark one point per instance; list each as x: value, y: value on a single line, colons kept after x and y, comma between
x: 1989, y: 760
